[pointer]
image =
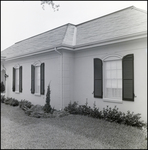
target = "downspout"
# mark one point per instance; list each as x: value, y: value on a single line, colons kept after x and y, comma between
x: 61, y: 61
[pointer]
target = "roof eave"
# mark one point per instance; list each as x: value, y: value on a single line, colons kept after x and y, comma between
x: 112, y: 41
x: 86, y: 46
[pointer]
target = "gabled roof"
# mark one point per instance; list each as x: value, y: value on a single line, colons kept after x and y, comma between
x: 125, y: 22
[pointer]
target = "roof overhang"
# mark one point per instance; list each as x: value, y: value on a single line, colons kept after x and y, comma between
x: 84, y: 46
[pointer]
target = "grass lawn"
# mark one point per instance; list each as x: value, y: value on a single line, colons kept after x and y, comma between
x: 19, y: 131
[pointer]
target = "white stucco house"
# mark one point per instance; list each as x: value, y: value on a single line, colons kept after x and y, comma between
x: 101, y: 61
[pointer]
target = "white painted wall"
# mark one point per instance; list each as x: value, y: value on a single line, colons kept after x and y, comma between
x: 68, y: 76
x: 72, y: 76
x: 52, y: 73
x: 84, y: 75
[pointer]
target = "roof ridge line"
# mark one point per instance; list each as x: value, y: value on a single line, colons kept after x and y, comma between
x: 110, y: 14
x: 42, y: 33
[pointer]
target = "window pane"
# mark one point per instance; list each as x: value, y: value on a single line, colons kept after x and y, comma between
x: 119, y: 74
x: 113, y: 64
x: 119, y: 64
x: 113, y: 74
x: 108, y: 84
x: 120, y: 83
x: 107, y: 66
x: 108, y: 74
x: 114, y: 83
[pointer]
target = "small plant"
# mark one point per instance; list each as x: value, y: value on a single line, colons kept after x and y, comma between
x: 2, y: 87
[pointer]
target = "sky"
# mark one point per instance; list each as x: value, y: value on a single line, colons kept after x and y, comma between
x: 23, y: 19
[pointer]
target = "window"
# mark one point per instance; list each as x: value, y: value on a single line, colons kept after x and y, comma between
x: 17, y: 79
x: 114, y: 78
x: 37, y: 79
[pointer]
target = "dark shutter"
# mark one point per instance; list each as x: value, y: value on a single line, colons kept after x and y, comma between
x: 20, y: 79
x: 42, y: 79
x: 32, y: 79
x: 98, y: 80
x: 13, y: 82
x: 128, y: 77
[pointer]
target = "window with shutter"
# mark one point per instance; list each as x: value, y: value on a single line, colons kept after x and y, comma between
x: 98, y: 92
x: 128, y: 77
x: 37, y: 78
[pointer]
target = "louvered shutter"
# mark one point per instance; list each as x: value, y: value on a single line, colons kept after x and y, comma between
x: 98, y: 80
x: 128, y: 77
x: 13, y: 80
x: 32, y: 79
x: 42, y: 78
x: 20, y: 79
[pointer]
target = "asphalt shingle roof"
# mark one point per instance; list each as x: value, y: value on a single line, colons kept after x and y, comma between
x: 121, y: 23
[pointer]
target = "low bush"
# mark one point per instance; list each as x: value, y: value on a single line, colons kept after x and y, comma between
x: 25, y: 105
x: 2, y: 98
x: 109, y: 114
x: 11, y: 101
x: 73, y: 108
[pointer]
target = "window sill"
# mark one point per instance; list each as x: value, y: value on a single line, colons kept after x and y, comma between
x: 17, y: 92
x: 113, y: 100
x: 37, y: 94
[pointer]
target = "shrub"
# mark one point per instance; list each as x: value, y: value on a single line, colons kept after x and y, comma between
x: 2, y: 98
x: 47, y: 107
x: 109, y: 114
x: 72, y: 108
x: 133, y: 119
x: 11, y: 101
x: 2, y: 87
x: 95, y: 112
x: 25, y: 105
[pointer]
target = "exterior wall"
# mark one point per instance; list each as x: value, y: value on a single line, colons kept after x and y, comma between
x: 68, y: 76
x: 84, y: 75
x: 52, y: 73
x: 72, y: 76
